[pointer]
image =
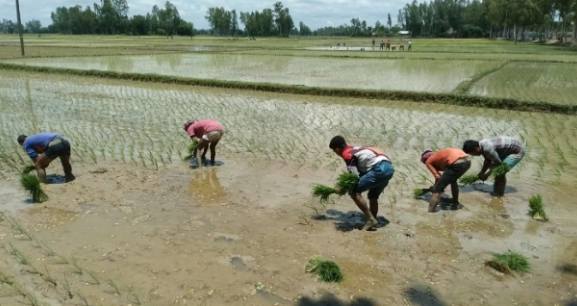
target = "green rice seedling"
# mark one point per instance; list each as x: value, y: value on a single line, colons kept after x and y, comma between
x: 31, y: 184
x: 502, y: 169
x: 468, y: 179
x: 419, y: 192
x: 328, y: 271
x: 190, y: 150
x: 536, y: 208
x: 323, y: 192
x: 28, y: 169
x: 509, y: 262
x: 346, y: 182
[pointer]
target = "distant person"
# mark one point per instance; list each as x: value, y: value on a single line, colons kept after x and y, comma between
x: 497, y: 151
x: 382, y: 46
x: 206, y: 133
x: 43, y: 148
x: 388, y: 45
x: 375, y: 170
x: 410, y: 45
x: 374, y: 43
x: 447, y: 166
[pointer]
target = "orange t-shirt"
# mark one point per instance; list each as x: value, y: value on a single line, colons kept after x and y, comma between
x: 441, y: 159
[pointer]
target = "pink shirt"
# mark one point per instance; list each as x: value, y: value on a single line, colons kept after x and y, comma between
x: 201, y: 127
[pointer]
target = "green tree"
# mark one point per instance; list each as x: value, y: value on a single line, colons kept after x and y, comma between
x: 282, y: 19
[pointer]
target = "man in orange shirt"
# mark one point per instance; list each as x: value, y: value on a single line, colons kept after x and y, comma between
x: 447, y: 166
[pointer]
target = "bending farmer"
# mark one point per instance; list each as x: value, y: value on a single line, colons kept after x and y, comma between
x: 375, y: 170
x: 447, y: 166
x: 206, y: 133
x: 497, y: 151
x: 43, y: 148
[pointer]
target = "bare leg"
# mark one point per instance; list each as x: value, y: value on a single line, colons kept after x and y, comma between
x: 41, y: 164
x: 499, y: 185
x: 65, y: 160
x: 374, y: 203
x: 435, y: 199
x: 213, y: 150
x: 362, y: 205
x: 455, y: 193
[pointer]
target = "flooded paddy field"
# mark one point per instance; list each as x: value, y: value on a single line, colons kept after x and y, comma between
x: 419, y: 76
x: 531, y: 82
x: 139, y: 227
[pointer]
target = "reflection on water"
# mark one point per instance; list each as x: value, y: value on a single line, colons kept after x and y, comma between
x: 426, y: 75
x: 206, y: 186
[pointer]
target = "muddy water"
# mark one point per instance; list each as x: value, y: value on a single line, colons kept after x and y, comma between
x: 531, y: 81
x: 427, y: 76
x: 242, y: 233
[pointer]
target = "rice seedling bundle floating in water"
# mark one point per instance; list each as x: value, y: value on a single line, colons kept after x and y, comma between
x: 328, y: 271
x: 468, y: 179
x: 536, y: 208
x: 31, y: 184
x: 190, y: 150
x: 509, y: 262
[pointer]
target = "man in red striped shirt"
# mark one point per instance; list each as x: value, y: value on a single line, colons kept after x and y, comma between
x: 207, y: 133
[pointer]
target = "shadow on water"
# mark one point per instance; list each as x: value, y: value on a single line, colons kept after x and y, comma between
x: 424, y: 296
x: 445, y: 204
x: 205, y: 184
x: 485, y: 188
x: 331, y: 300
x: 55, y: 179
x: 346, y: 222
x: 568, y: 269
x: 572, y: 303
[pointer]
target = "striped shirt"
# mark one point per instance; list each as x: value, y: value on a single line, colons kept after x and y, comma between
x: 363, y: 158
x: 498, y: 148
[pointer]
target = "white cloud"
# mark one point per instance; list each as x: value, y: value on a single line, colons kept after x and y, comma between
x: 315, y: 13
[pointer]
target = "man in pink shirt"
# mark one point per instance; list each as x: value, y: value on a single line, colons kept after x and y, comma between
x: 447, y: 166
x: 206, y: 133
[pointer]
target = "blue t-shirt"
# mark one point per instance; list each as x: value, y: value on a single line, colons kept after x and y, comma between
x: 37, y: 143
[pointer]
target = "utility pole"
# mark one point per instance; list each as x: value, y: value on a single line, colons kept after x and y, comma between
x: 19, y: 27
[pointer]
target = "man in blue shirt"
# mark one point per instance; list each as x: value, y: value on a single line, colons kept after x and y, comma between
x: 43, y: 148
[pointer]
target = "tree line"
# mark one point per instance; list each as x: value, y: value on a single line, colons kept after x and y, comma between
x: 512, y: 19
x: 109, y: 17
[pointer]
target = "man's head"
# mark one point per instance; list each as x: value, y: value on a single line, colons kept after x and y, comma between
x: 472, y: 147
x: 338, y: 144
x: 187, y: 124
x: 425, y: 155
x: 21, y: 139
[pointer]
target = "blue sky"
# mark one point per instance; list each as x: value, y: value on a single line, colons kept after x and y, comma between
x: 314, y: 13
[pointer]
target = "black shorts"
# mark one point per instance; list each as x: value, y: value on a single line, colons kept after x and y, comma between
x: 58, y: 147
x: 451, y: 174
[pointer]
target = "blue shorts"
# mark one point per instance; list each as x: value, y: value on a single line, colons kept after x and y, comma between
x: 376, y: 179
x: 513, y: 159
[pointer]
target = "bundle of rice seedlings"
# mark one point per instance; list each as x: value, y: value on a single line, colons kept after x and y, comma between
x: 323, y: 192
x: 31, y: 184
x: 536, y: 208
x: 468, y: 179
x: 346, y: 182
x: 190, y: 150
x: 419, y: 192
x: 28, y: 169
x: 328, y: 271
x: 508, y: 262
x: 502, y: 169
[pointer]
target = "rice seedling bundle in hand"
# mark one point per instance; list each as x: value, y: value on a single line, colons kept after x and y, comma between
x: 536, y: 208
x: 419, y: 192
x: 468, y: 179
x: 190, y: 150
x: 502, y: 169
x: 346, y: 182
x: 323, y: 192
x: 31, y: 184
x: 328, y: 271
x: 28, y: 169
x: 508, y: 262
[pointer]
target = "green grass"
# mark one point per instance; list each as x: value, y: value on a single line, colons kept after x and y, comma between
x: 31, y: 184
x: 28, y: 169
x: 346, y: 182
x: 536, y: 209
x: 509, y: 262
x: 468, y: 179
x: 501, y: 169
x: 419, y: 192
x: 328, y: 271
